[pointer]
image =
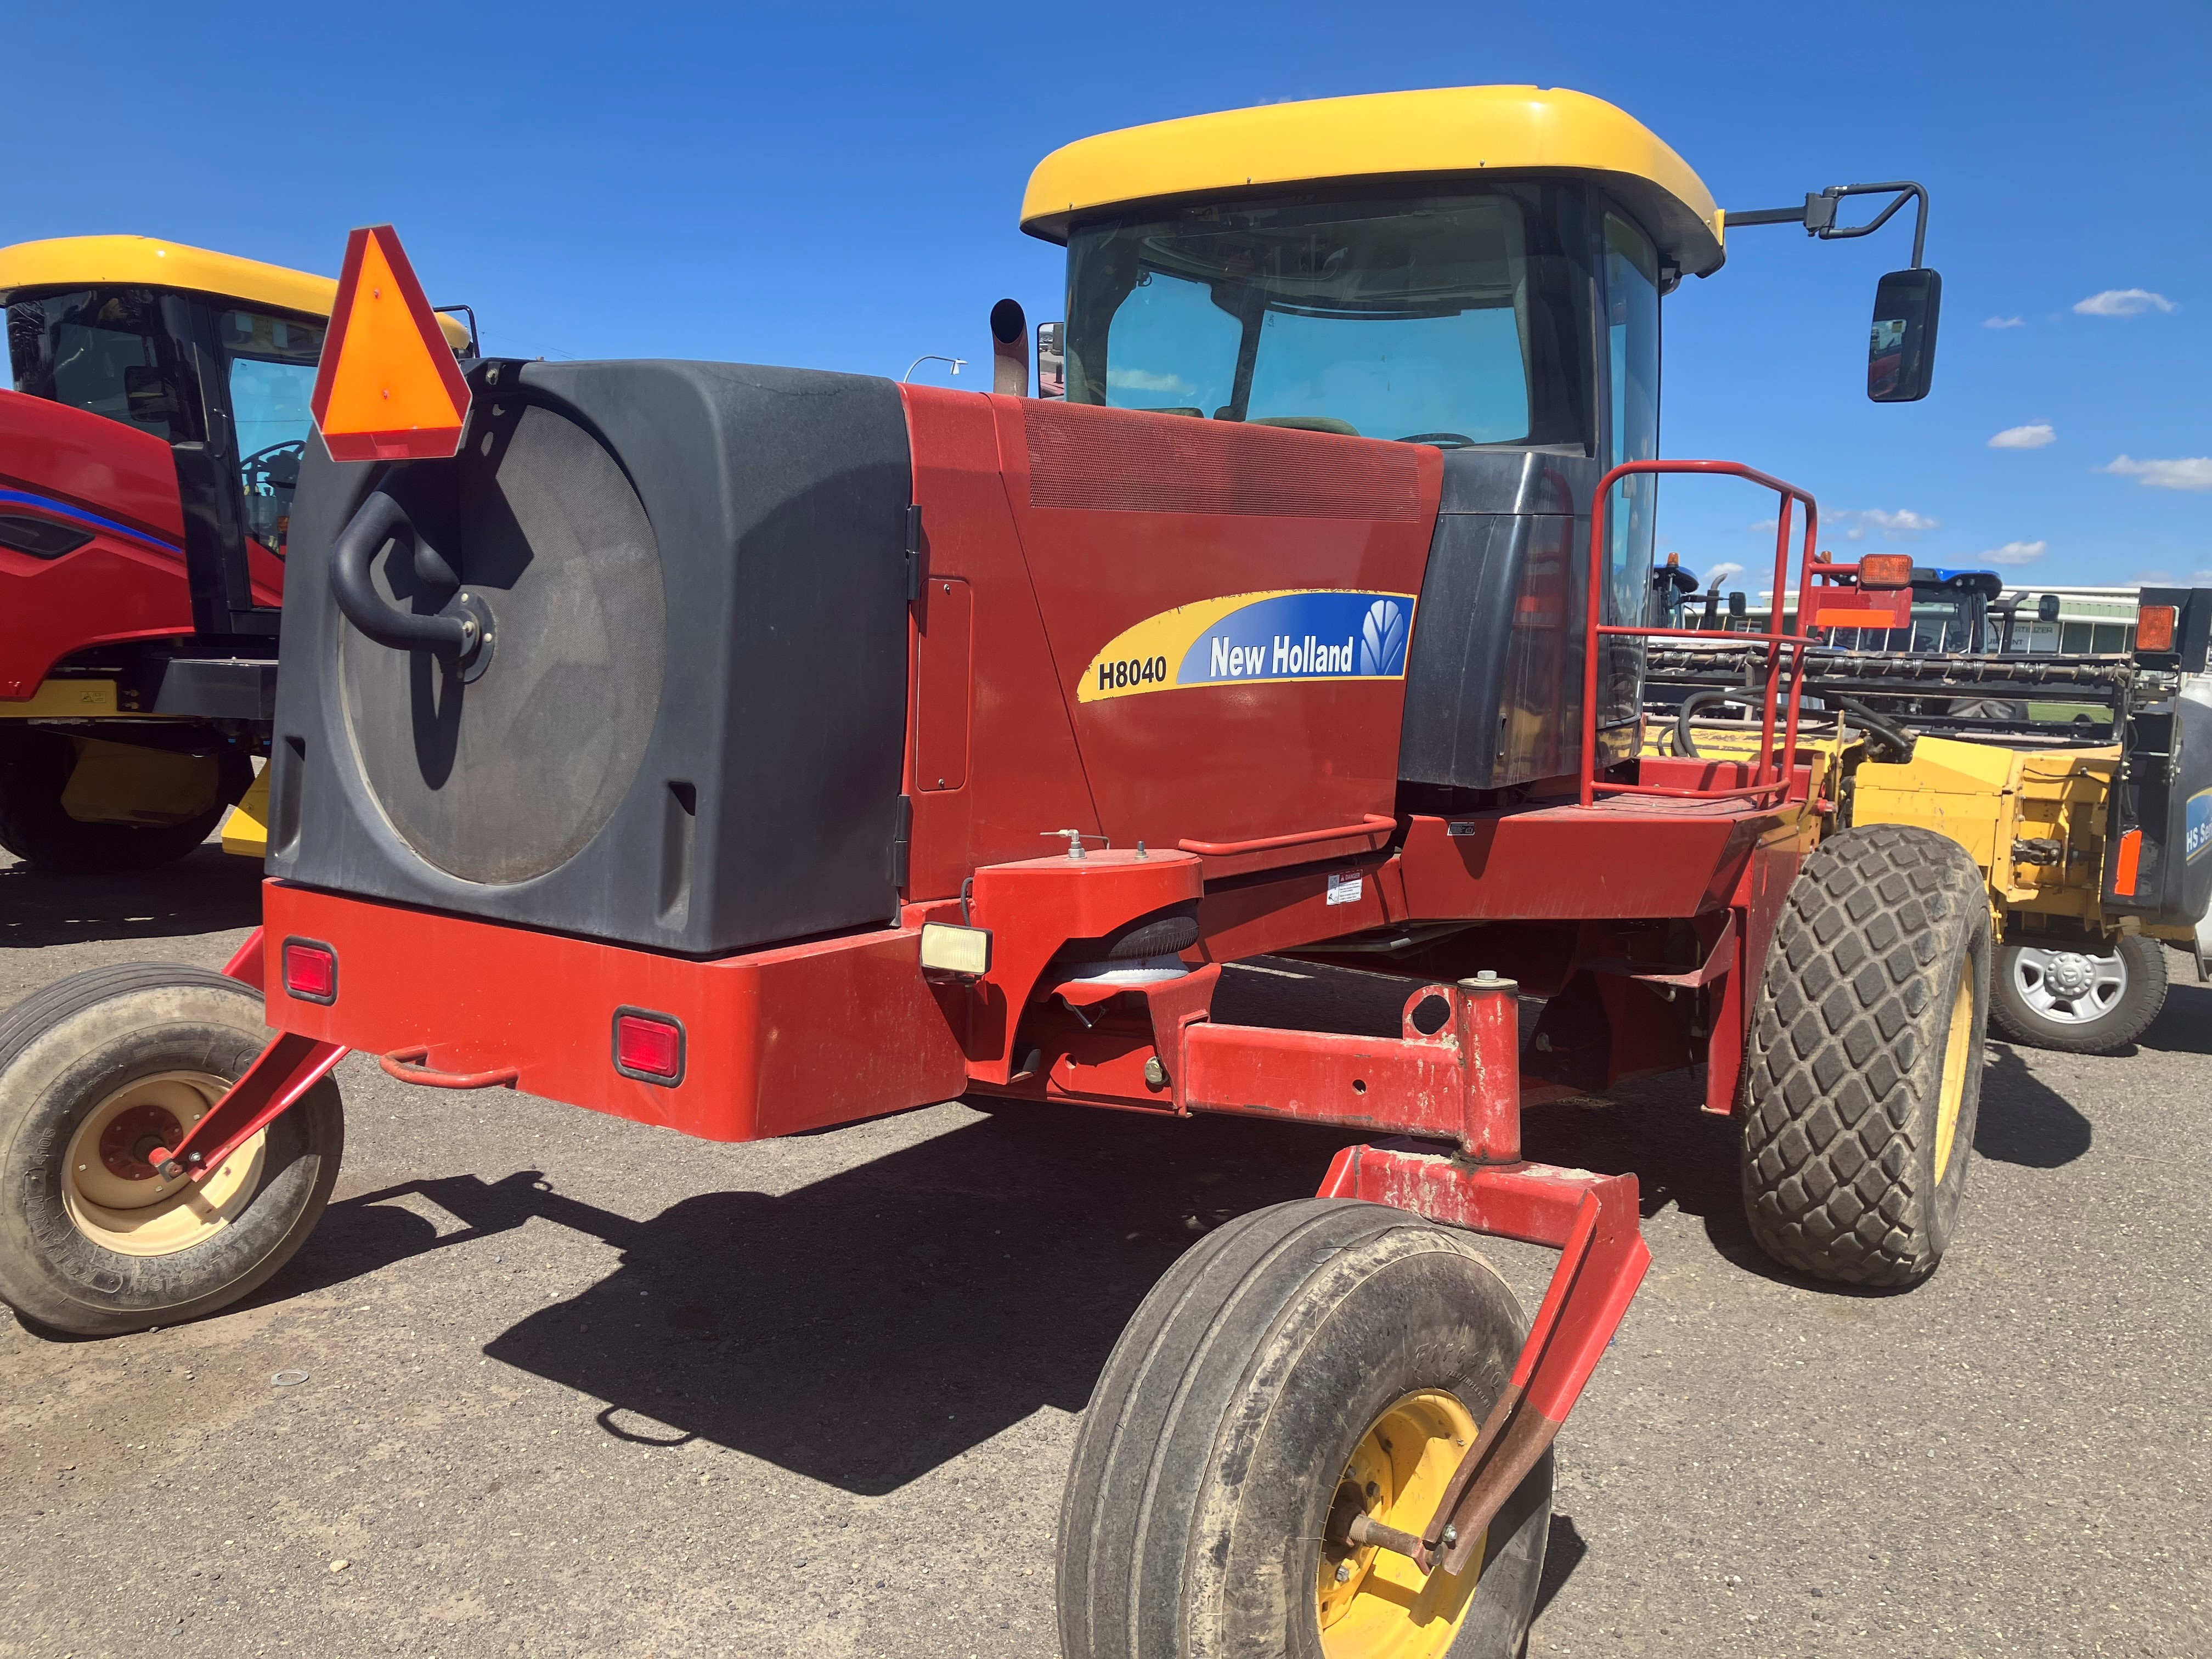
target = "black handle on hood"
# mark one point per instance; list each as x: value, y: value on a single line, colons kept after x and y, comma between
x: 379, y: 518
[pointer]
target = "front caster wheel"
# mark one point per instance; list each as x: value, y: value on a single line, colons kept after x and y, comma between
x: 94, y: 1072
x: 1301, y: 1362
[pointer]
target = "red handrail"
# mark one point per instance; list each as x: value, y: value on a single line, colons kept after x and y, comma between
x: 1774, y: 638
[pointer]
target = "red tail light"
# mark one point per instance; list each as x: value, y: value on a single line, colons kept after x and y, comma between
x: 311, y: 970
x: 648, y: 1047
x: 2154, y: 628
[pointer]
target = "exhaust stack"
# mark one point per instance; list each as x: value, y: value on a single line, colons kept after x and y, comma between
x: 1010, y: 349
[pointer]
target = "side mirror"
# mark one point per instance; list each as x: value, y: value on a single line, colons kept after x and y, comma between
x: 1051, y: 363
x: 2046, y: 608
x: 1901, y: 351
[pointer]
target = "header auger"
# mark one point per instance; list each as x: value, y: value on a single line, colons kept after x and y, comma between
x: 693, y: 745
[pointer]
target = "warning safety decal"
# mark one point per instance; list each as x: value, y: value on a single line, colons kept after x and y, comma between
x: 2196, y: 826
x: 1299, y: 634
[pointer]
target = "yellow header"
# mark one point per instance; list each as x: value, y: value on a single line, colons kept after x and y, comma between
x: 150, y: 262
x: 1461, y: 131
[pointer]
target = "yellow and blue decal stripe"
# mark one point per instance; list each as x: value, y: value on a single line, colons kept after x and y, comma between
x: 2196, y: 826
x: 1246, y: 639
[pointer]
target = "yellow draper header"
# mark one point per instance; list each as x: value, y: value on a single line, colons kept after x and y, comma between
x: 1521, y: 130
x: 150, y: 262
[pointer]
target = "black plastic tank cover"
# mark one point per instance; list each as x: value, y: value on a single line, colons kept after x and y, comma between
x: 685, y: 730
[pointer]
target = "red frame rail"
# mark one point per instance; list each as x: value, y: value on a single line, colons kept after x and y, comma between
x: 1760, y: 784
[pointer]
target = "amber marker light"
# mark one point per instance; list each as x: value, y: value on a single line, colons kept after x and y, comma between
x: 1885, y: 570
x: 2154, y: 628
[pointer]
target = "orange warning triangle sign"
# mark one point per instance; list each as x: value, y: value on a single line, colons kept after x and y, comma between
x: 388, y: 387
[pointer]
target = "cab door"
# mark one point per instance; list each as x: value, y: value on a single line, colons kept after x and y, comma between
x: 254, y: 368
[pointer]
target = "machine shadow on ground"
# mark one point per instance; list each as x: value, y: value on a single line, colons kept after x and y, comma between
x: 866, y: 1329
x: 2183, y: 1026
x: 208, y: 891
x: 2024, y: 1120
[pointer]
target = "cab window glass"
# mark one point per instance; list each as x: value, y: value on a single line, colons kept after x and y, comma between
x: 271, y: 367
x: 1170, y: 349
x: 1632, y: 289
x: 1445, y: 320
x: 104, y: 350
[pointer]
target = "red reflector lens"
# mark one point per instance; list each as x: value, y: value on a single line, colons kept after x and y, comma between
x: 1885, y: 570
x: 654, y: 1047
x: 2154, y: 628
x: 311, y: 971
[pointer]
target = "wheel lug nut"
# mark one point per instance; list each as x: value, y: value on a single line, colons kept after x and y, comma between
x: 1344, y: 1572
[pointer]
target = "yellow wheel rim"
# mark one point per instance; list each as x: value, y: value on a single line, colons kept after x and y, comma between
x: 113, y: 1194
x: 1383, y: 1606
x: 1958, y: 1055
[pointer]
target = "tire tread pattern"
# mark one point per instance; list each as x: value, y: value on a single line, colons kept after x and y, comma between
x: 1832, y: 1183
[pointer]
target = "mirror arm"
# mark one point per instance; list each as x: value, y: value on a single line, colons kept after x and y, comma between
x: 1818, y: 214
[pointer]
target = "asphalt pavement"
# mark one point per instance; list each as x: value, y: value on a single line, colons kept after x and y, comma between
x: 577, y: 1386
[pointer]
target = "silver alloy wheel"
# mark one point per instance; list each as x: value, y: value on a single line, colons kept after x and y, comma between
x: 2069, y: 988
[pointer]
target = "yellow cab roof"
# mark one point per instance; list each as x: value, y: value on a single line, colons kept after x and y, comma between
x: 1453, y: 131
x: 150, y: 262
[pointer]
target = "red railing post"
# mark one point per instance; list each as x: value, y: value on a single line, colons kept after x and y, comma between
x: 1776, y: 638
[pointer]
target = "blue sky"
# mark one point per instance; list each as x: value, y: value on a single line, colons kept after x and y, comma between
x: 837, y: 186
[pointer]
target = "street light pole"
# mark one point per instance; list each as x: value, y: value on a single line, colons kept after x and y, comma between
x: 958, y: 363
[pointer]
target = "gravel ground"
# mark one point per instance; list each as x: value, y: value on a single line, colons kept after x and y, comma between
x: 578, y: 1387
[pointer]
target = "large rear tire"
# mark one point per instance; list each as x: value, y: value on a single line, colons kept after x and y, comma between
x: 2077, y: 995
x: 94, y: 1071
x: 1313, y: 1353
x: 35, y: 769
x: 1863, y: 1079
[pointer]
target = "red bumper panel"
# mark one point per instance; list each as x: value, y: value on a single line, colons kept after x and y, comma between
x: 773, y: 1043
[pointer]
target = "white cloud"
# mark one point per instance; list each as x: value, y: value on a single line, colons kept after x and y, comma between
x: 2032, y: 436
x: 1765, y: 527
x: 2014, y: 553
x: 2004, y: 322
x: 2123, y: 302
x: 1721, y: 572
x: 1143, y: 379
x: 1899, y: 527
x: 2192, y: 472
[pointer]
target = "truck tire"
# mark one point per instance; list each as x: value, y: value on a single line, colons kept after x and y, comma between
x: 92, y: 1242
x: 1863, y: 1077
x: 1291, y: 1358
x: 2054, y: 994
x: 34, y: 772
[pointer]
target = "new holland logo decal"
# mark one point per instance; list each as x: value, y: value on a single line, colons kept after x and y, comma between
x: 1296, y: 633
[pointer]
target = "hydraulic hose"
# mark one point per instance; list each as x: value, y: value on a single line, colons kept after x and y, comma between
x: 1684, y: 743
x: 1893, y: 736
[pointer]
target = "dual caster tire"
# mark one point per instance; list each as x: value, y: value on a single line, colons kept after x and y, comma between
x: 95, y: 1072
x: 1301, y: 1358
